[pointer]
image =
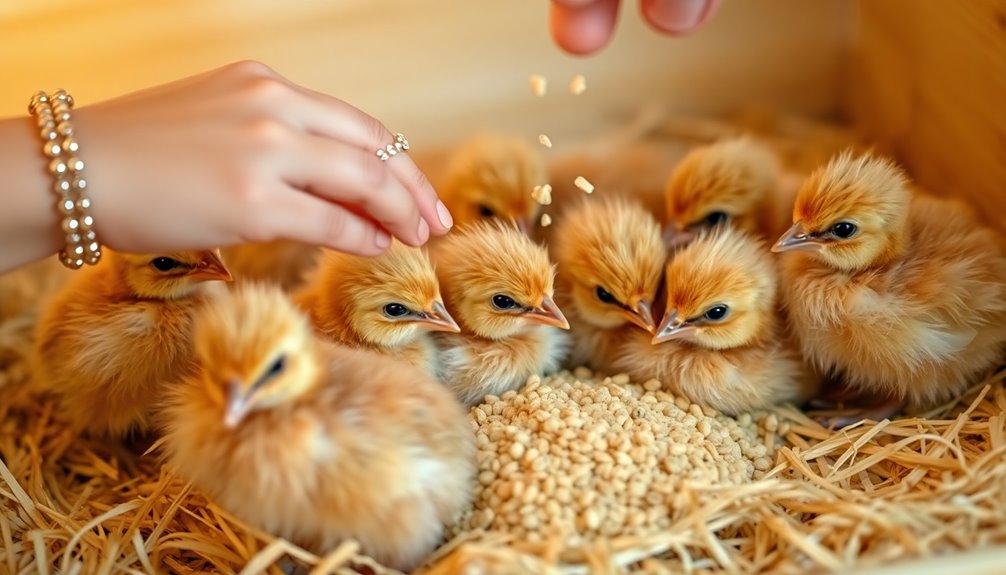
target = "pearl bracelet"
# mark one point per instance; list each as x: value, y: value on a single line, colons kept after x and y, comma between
x: 52, y: 112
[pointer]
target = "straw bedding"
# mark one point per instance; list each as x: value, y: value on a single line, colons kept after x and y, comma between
x: 865, y: 496
x: 768, y: 492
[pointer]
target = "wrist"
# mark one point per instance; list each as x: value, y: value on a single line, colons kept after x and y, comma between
x: 29, y: 222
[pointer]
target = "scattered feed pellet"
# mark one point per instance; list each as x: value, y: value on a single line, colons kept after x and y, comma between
x: 542, y: 194
x: 578, y: 85
x: 582, y: 183
x: 546, y: 220
x: 538, y: 84
x: 545, y: 140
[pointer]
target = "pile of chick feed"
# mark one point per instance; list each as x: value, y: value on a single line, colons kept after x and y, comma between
x: 577, y: 473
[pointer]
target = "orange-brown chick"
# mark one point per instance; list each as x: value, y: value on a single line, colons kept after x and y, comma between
x: 610, y: 262
x: 498, y: 285
x: 737, y: 181
x: 721, y: 342
x: 116, y: 333
x: 388, y: 303
x: 492, y: 176
x: 901, y: 293
x: 282, y: 262
x: 315, y: 442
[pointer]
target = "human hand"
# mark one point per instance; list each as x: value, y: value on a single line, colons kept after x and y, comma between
x: 585, y: 26
x: 240, y: 154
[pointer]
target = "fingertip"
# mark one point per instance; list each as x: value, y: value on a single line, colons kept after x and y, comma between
x: 584, y: 28
x: 382, y: 240
x: 678, y: 17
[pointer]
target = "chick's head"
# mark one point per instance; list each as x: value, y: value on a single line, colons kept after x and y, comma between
x: 493, y: 177
x: 851, y: 213
x: 496, y: 281
x: 389, y: 299
x: 171, y: 275
x: 720, y: 184
x: 610, y: 256
x: 721, y: 291
x: 255, y: 350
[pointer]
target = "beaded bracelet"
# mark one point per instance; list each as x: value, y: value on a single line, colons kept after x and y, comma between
x: 52, y: 112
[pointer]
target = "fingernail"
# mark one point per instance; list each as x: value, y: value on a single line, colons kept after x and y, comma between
x: 424, y: 230
x: 382, y: 239
x: 676, y: 15
x: 445, y: 216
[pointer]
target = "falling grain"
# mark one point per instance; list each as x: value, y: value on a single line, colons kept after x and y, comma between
x: 546, y: 220
x: 542, y: 194
x: 538, y: 84
x: 582, y: 183
x: 545, y: 141
x: 578, y: 85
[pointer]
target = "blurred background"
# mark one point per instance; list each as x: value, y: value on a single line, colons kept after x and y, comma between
x: 435, y: 69
x: 925, y: 80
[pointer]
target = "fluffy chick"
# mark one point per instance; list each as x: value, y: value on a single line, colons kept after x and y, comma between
x: 388, y: 303
x: 610, y: 262
x: 283, y: 262
x: 498, y: 284
x: 492, y: 176
x: 901, y: 293
x: 116, y: 332
x: 736, y: 181
x: 721, y: 343
x: 316, y: 442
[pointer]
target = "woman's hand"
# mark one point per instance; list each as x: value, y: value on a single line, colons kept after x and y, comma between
x: 585, y: 26
x: 240, y: 154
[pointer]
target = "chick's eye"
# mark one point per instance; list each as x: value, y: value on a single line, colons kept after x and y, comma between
x: 716, y: 313
x: 604, y: 296
x: 504, y: 302
x: 486, y: 212
x: 715, y: 219
x: 277, y: 367
x: 844, y: 230
x: 164, y: 264
x: 395, y: 310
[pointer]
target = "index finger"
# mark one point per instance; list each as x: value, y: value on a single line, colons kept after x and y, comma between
x: 581, y: 26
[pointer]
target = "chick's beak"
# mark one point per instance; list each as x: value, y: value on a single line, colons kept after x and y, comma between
x: 549, y: 314
x: 672, y: 327
x: 211, y: 267
x: 438, y: 319
x: 797, y: 239
x: 237, y: 403
x: 642, y: 315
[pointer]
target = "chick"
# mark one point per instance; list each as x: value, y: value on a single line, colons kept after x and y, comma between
x: 735, y: 181
x: 902, y: 294
x: 116, y: 332
x: 609, y: 268
x: 498, y: 284
x: 283, y: 262
x: 721, y: 342
x: 492, y: 176
x: 315, y: 442
x: 388, y: 303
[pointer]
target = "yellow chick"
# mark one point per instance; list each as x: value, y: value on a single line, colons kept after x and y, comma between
x: 498, y: 284
x: 737, y: 181
x: 117, y: 332
x: 388, y: 303
x: 610, y: 262
x: 902, y: 294
x: 721, y: 342
x: 315, y: 442
x: 492, y: 176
